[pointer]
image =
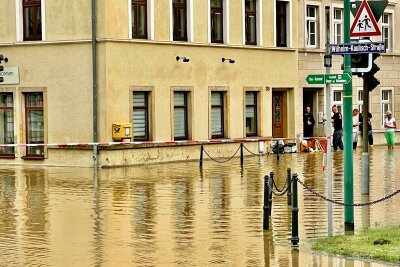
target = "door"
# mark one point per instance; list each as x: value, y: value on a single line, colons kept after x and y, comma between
x: 278, y: 114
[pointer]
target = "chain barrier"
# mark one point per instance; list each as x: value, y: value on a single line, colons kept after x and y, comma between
x: 346, y: 204
x: 255, y: 154
x: 221, y: 161
x: 279, y: 192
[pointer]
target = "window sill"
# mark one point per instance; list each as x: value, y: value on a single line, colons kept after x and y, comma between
x: 7, y: 156
x: 33, y: 157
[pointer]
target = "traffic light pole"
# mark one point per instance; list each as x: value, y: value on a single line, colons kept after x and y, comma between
x: 347, y: 123
x: 365, y: 155
x: 328, y: 125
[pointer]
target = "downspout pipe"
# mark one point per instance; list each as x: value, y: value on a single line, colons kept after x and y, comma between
x: 94, y: 78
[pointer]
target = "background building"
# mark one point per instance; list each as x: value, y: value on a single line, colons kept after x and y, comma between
x: 176, y: 70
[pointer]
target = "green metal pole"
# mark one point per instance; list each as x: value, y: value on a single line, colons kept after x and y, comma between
x: 347, y: 127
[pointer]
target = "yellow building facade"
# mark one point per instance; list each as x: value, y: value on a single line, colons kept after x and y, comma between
x: 233, y: 73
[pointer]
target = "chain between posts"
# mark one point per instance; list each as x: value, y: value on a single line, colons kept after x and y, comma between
x: 346, y: 204
x: 221, y: 161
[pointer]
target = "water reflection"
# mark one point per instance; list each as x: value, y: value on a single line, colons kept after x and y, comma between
x: 178, y: 215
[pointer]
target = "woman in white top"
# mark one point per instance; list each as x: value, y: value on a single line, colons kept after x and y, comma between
x: 390, y: 125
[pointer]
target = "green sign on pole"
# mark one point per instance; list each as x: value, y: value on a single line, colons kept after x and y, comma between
x: 344, y: 78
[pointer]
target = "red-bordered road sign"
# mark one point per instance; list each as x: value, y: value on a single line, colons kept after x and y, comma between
x: 364, y: 24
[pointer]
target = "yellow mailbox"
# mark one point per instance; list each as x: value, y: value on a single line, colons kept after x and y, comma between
x: 121, y: 130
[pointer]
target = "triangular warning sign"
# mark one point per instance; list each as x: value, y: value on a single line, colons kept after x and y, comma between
x: 364, y: 23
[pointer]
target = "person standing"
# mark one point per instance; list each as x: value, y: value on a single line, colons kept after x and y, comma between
x: 308, y: 122
x: 337, y: 119
x: 390, y: 125
x: 356, y: 124
x: 370, y: 135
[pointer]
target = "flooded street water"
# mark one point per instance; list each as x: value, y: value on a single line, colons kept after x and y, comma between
x: 177, y: 215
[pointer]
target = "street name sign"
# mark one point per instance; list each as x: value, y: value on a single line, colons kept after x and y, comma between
x: 344, y: 78
x: 10, y: 75
x: 364, y: 23
x: 358, y: 48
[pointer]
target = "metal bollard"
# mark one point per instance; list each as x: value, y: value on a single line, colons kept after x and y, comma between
x: 241, y: 153
x: 266, y: 204
x: 201, y: 156
x: 270, y: 182
x: 295, y: 214
x: 289, y: 192
x: 277, y: 150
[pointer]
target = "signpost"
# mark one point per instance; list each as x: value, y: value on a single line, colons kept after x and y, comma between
x: 328, y: 78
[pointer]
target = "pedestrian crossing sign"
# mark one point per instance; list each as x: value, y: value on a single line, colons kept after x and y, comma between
x: 364, y: 24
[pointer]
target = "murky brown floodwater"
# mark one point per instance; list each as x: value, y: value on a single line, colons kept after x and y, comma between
x: 176, y: 215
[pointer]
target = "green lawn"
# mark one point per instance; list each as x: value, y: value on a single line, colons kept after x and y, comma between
x: 362, y: 245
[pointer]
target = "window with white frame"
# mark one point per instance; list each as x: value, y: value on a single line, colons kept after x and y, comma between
x: 338, y: 99
x: 30, y: 20
x: 312, y: 26
x: 386, y: 103
x: 250, y: 15
x: 387, y: 30
x: 360, y: 100
x: 338, y: 25
x: 282, y: 23
x: 141, y: 19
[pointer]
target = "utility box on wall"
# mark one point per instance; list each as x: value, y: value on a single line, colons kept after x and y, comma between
x: 121, y: 130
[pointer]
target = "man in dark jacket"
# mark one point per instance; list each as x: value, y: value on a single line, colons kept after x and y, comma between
x: 337, y: 119
x: 308, y: 122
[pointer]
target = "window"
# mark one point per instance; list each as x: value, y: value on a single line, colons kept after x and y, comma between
x: 386, y: 103
x: 251, y: 22
x: 217, y: 21
x: 181, y: 116
x: 360, y: 100
x: 282, y: 24
x: 251, y: 113
x: 217, y: 114
x: 338, y: 25
x: 180, y: 20
x: 140, y: 116
x: 6, y: 124
x: 139, y: 19
x: 32, y: 20
x: 312, y: 26
x: 387, y: 30
x: 34, y: 124
x: 338, y: 99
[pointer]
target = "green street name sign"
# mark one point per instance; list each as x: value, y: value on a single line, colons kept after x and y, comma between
x: 328, y: 78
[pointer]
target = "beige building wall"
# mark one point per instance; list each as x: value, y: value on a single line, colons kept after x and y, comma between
x: 61, y: 66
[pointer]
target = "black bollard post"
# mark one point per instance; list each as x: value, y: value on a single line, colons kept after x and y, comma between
x: 241, y: 153
x: 277, y: 150
x: 295, y: 214
x: 289, y: 192
x: 270, y: 182
x: 266, y: 204
x: 201, y: 156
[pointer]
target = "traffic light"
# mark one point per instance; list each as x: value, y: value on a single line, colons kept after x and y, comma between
x: 360, y: 63
x: 2, y: 58
x: 369, y: 78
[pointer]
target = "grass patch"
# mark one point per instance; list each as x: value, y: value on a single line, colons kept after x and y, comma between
x: 362, y: 245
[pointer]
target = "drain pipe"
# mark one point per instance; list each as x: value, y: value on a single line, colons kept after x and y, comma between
x: 94, y: 71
